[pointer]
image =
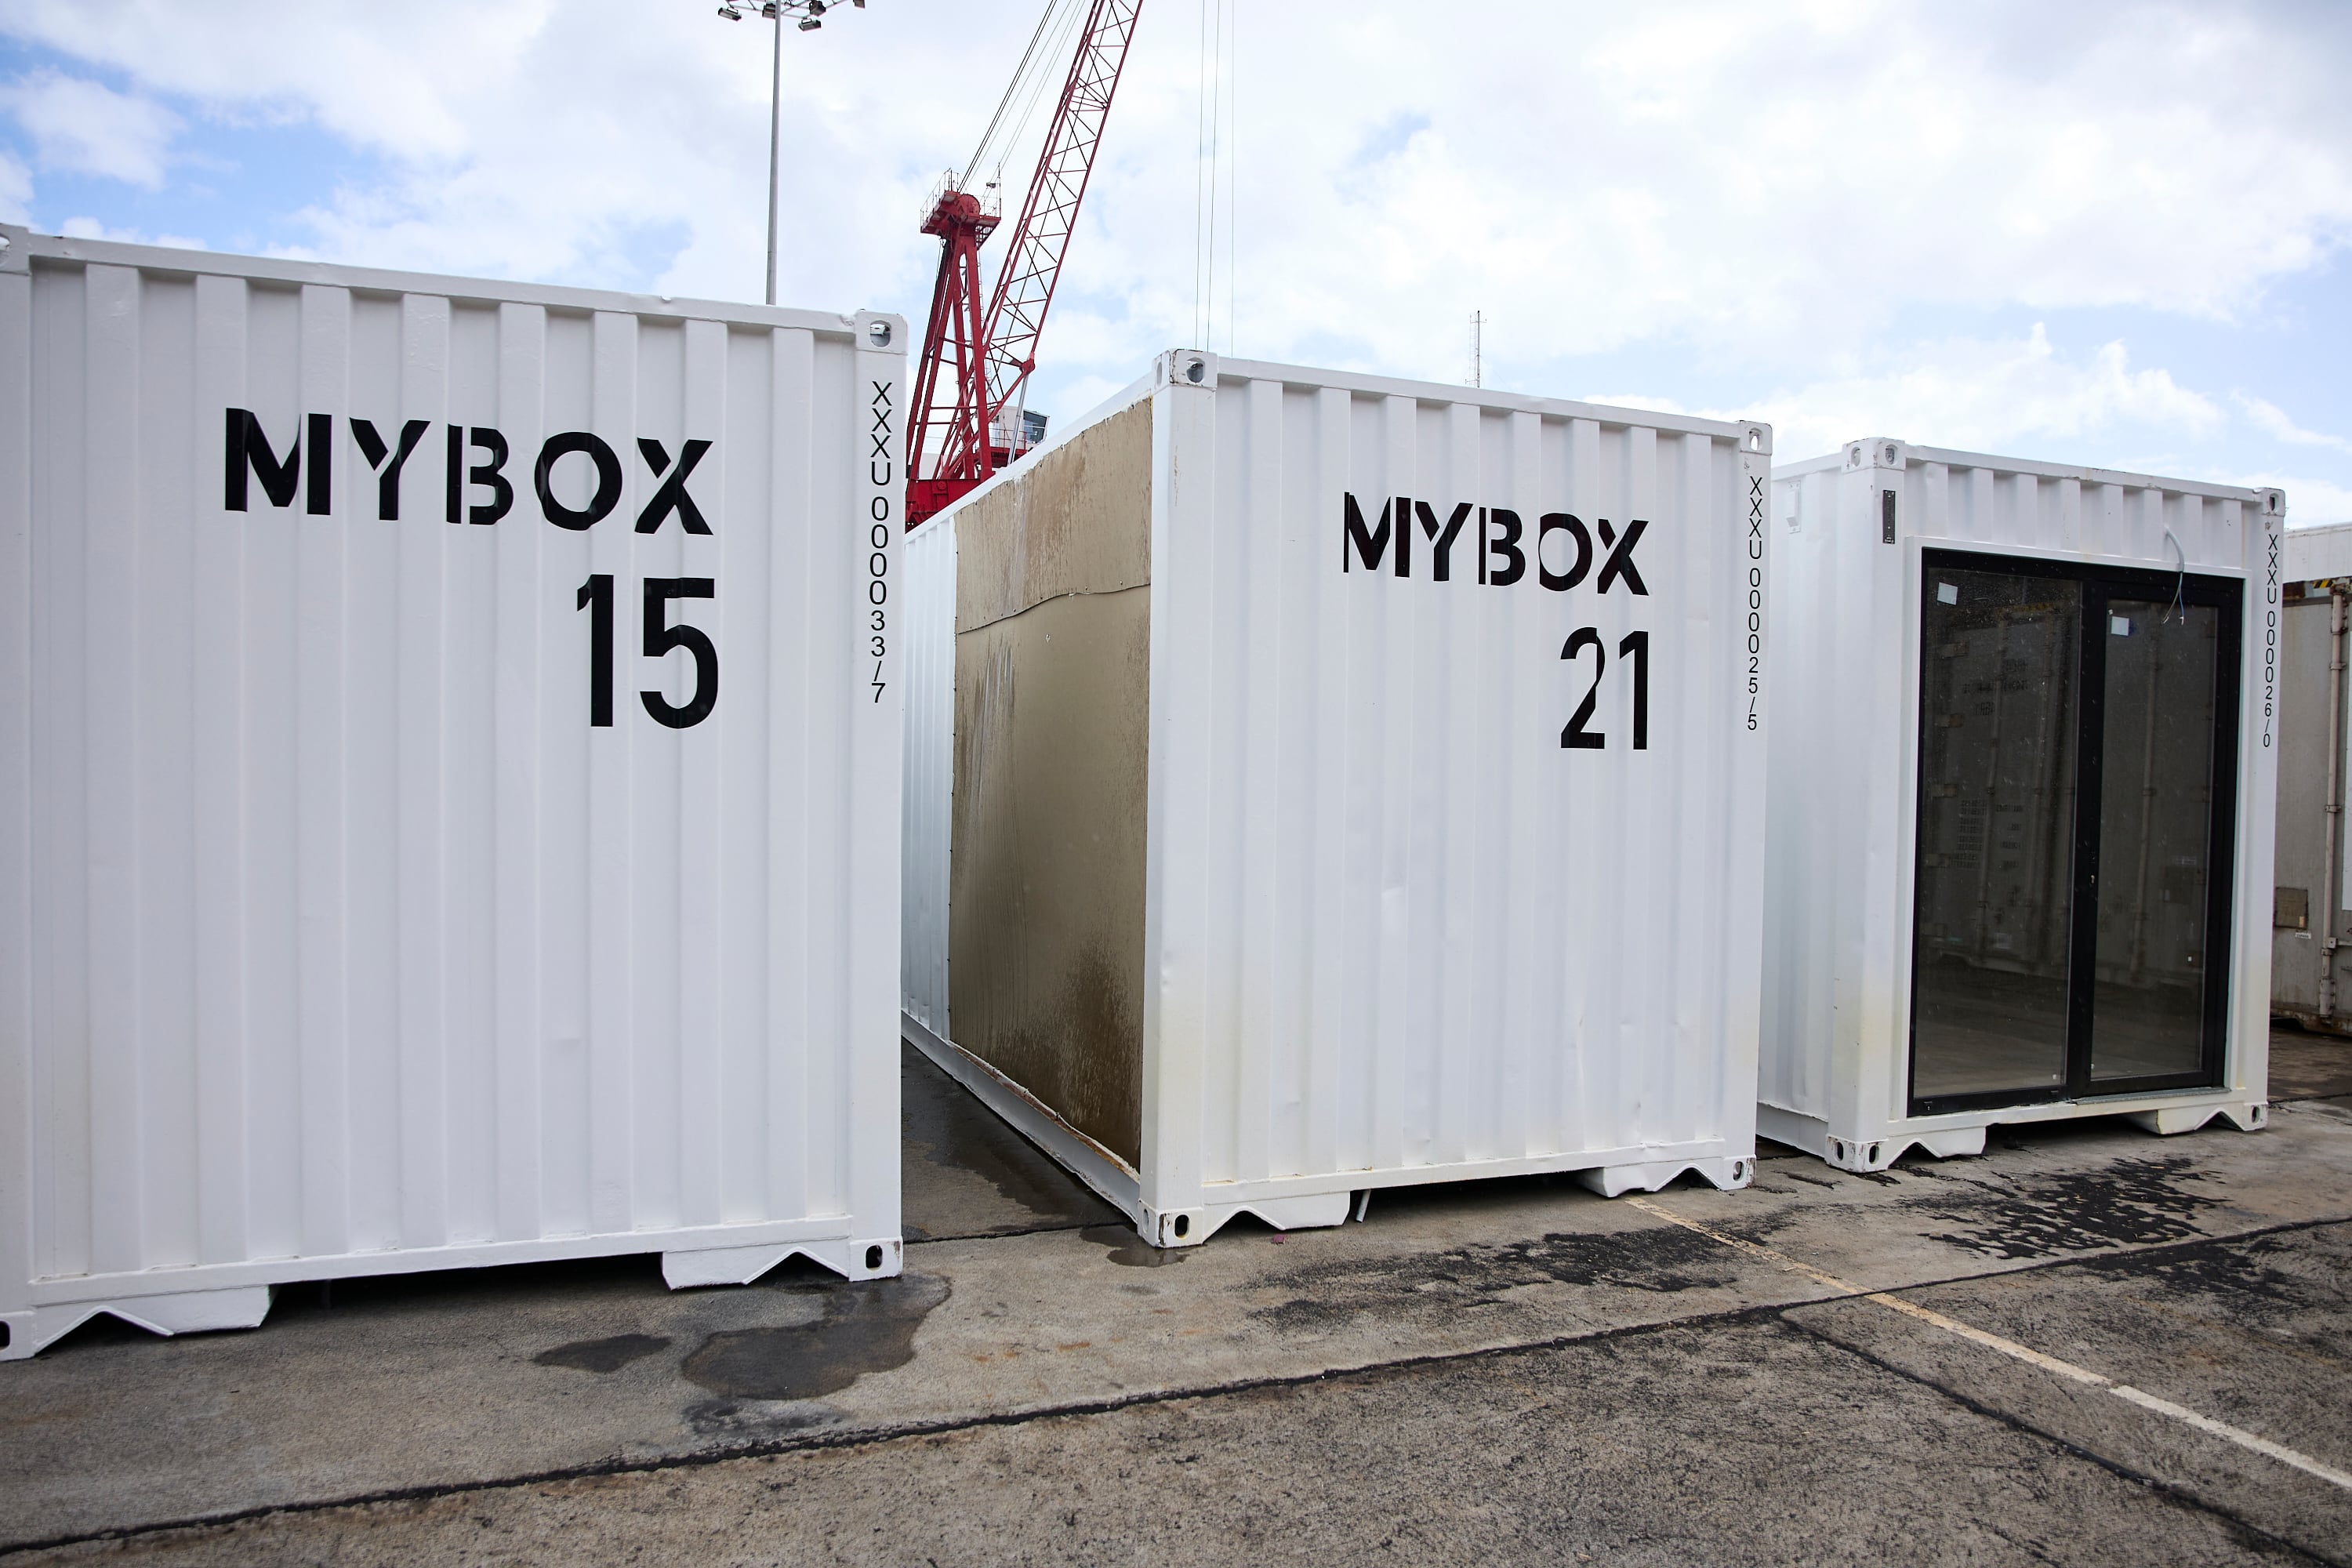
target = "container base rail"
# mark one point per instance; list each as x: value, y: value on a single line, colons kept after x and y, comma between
x: 1304, y: 1203
x: 168, y: 1308
x: 1962, y: 1133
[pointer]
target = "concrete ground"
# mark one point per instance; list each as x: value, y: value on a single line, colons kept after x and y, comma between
x: 2090, y: 1345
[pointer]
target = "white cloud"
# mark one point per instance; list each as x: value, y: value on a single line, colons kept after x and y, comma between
x: 2309, y: 500
x: 1770, y: 196
x: 2272, y: 421
x: 86, y: 128
x: 1771, y: 184
x: 1980, y: 395
x: 16, y: 189
x: 1760, y: 185
x: 379, y: 76
x: 90, y: 228
x: 577, y: 143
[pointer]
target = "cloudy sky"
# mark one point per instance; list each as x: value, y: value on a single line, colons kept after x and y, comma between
x: 2110, y: 232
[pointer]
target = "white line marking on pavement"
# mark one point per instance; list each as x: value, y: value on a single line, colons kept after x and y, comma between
x: 2011, y: 1348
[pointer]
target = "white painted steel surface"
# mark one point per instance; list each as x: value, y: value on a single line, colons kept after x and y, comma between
x: 929, y: 671
x: 1845, y: 613
x: 2315, y: 554
x: 2311, y: 961
x: 1396, y: 932
x: 337, y: 938
x: 2311, y: 968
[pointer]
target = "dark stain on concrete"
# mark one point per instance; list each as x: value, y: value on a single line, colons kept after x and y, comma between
x: 1129, y: 1250
x: 2131, y: 1203
x: 865, y: 1328
x: 942, y: 1122
x: 606, y: 1354
x: 1327, y: 1295
x: 738, y: 1418
x: 2237, y: 1273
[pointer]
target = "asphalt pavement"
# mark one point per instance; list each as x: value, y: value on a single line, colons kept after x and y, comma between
x: 2088, y: 1345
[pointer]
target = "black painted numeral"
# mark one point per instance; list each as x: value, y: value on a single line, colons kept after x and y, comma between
x: 1576, y: 737
x: 1635, y: 647
x: 661, y: 637
x: 597, y: 596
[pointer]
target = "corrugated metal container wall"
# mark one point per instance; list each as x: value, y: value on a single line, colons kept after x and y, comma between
x: 385, y: 894
x: 2318, y: 553
x: 929, y: 666
x: 1444, y: 839
x: 1855, y: 535
x: 2311, y: 963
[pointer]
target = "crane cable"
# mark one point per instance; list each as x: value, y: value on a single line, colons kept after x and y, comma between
x: 1233, y: 169
x: 1029, y: 77
x: 1204, y: 185
x: 1020, y: 74
x: 1215, y: 159
x: 1041, y: 79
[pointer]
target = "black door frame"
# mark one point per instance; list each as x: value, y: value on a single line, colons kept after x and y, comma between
x: 2102, y: 586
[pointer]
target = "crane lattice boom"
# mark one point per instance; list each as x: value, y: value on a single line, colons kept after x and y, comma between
x: 954, y: 446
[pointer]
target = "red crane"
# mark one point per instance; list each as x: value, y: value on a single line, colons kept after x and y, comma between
x: 960, y: 437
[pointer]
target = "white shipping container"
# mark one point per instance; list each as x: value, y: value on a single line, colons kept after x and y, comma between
x: 2024, y: 749
x: 1320, y: 783
x: 449, y: 756
x: 2319, y: 553
x: 2311, y: 961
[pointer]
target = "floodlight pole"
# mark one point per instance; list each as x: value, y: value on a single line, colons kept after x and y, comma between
x: 811, y: 13
x: 775, y: 145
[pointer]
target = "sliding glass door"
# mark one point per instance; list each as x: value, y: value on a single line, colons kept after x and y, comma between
x: 2001, y: 708
x: 2077, y: 753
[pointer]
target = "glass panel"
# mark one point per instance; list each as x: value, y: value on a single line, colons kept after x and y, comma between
x: 1999, y: 655
x: 2156, y: 815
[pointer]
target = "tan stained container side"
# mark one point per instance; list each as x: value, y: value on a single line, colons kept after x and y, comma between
x: 1052, y: 697
x: 1080, y: 523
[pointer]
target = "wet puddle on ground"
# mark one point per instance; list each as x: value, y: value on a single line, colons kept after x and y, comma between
x: 609, y: 1354
x: 865, y: 1328
x: 1129, y: 1250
